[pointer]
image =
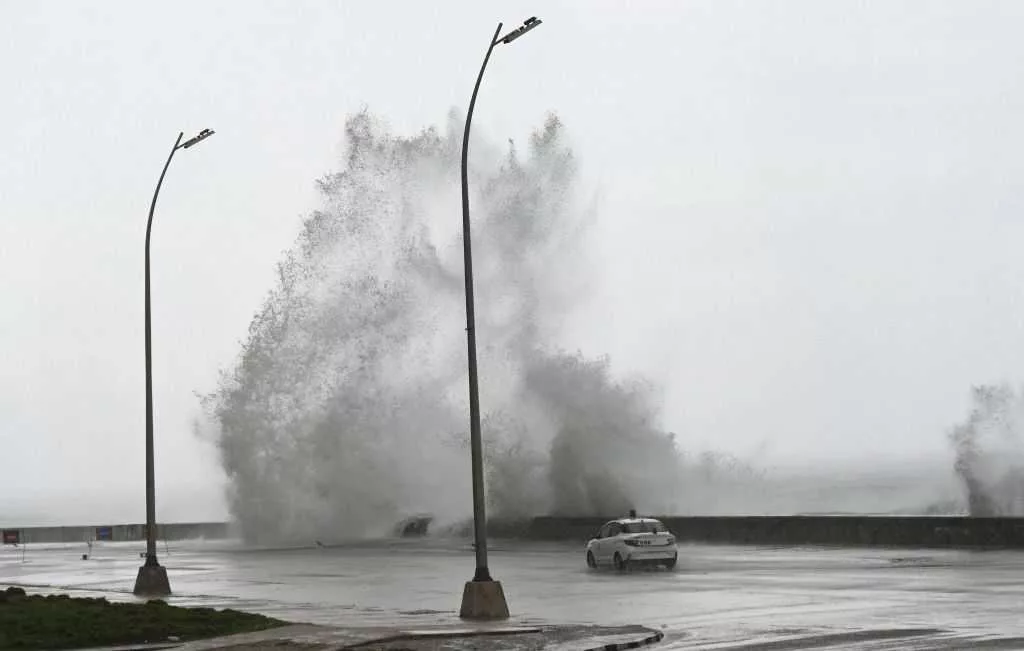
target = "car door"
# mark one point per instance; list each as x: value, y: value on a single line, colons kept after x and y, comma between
x: 610, y: 542
x: 600, y: 553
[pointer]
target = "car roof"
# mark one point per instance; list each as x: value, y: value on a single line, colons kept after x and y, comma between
x: 633, y: 520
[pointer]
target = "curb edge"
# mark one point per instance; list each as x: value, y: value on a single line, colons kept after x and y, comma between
x: 413, y: 635
x: 657, y: 636
x: 650, y: 639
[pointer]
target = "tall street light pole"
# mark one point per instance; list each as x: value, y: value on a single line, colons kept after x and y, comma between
x: 152, y: 577
x: 483, y: 597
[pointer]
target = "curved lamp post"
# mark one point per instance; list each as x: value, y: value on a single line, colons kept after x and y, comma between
x: 482, y: 598
x: 152, y: 577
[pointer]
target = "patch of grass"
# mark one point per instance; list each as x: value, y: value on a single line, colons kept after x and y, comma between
x: 61, y: 622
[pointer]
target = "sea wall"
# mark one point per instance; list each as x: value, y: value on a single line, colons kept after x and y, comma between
x: 908, y: 531
x: 888, y: 531
x: 116, y: 532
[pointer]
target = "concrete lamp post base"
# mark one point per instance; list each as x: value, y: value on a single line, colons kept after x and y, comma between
x: 483, y: 600
x: 152, y: 582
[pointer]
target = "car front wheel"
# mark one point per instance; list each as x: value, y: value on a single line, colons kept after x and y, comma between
x: 671, y: 563
x: 591, y: 562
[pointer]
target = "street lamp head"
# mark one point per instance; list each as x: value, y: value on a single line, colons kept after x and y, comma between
x: 202, y: 135
x: 528, y: 24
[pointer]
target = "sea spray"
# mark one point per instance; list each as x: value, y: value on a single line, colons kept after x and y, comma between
x: 989, y: 448
x: 346, y: 409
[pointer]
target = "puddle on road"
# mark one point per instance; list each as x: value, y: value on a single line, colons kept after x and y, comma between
x: 916, y: 561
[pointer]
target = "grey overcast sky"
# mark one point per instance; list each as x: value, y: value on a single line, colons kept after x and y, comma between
x: 810, y: 212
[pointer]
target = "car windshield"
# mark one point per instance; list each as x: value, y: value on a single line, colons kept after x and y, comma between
x: 649, y: 526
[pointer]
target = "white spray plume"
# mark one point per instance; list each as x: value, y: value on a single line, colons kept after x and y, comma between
x: 347, y: 410
x: 989, y: 448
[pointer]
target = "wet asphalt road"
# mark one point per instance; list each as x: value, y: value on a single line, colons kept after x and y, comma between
x: 718, y: 597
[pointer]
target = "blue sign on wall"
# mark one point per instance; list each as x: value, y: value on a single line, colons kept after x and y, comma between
x: 104, y: 533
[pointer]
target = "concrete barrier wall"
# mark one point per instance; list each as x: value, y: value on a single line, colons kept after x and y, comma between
x: 122, y: 532
x: 909, y: 531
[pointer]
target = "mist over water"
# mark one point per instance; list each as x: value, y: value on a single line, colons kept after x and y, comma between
x: 347, y: 408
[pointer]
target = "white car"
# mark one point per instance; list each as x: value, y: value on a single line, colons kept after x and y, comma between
x: 632, y: 541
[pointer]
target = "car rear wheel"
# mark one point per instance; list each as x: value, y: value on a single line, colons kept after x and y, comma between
x: 671, y: 563
x: 620, y: 564
x: 591, y: 561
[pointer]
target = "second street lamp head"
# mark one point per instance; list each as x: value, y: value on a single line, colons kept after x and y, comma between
x: 528, y: 24
x: 202, y: 135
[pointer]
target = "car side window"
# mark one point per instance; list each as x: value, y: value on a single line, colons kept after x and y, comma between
x: 603, y: 533
x: 614, y: 530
